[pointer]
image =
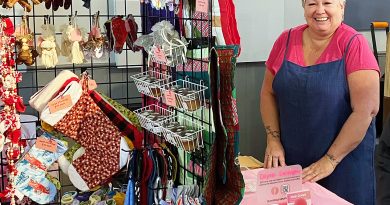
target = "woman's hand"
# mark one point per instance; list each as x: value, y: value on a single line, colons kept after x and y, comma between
x: 318, y: 170
x: 274, y: 154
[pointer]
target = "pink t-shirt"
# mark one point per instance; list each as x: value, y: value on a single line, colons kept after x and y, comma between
x: 359, y: 56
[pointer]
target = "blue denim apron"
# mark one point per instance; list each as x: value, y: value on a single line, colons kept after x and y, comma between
x: 314, y: 102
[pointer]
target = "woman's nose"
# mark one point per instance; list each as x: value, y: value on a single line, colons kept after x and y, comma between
x: 320, y: 9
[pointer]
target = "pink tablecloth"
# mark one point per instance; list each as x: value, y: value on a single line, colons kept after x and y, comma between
x: 319, y: 195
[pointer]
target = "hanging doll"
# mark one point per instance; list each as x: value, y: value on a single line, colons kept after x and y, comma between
x: 48, y: 46
x: 24, y: 41
x: 97, y: 44
x: 72, y: 38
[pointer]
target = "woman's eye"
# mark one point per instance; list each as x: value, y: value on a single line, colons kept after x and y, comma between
x: 312, y: 4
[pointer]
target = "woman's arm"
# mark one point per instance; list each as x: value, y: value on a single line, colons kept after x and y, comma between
x: 274, y: 154
x: 364, y: 95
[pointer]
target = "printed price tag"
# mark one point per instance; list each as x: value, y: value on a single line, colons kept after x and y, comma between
x: 170, y: 98
x: 60, y: 103
x: 202, y: 6
x: 159, y: 55
x: 46, y: 144
x: 91, y: 84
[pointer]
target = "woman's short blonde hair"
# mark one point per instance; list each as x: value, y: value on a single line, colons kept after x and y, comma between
x: 341, y: 1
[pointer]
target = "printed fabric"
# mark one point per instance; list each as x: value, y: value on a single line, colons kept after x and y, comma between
x: 224, y: 183
x: 32, y: 169
x: 87, y: 124
x: 120, y: 116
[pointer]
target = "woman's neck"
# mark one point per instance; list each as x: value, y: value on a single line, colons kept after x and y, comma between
x: 314, y: 41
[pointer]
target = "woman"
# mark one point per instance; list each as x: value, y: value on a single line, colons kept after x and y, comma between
x: 319, y: 96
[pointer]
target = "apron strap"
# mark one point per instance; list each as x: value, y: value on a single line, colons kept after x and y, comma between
x: 349, y: 44
x: 288, y: 39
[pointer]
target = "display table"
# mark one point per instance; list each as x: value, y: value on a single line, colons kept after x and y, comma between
x: 319, y: 195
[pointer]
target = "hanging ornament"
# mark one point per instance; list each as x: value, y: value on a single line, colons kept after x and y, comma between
x: 9, y: 119
x: 24, y: 41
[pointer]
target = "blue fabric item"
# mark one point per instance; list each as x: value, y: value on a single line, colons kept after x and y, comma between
x: 130, y: 191
x: 32, y: 169
x: 314, y: 102
x: 152, y: 177
x: 155, y: 16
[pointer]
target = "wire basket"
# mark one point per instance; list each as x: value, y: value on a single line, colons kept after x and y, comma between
x: 184, y: 94
x: 152, y: 116
x: 149, y: 83
x: 183, y: 132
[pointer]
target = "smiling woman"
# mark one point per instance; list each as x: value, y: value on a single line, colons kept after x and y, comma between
x: 303, y: 2
x: 320, y: 94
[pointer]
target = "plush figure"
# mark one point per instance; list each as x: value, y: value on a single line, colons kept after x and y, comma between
x: 48, y: 46
x: 72, y: 39
x: 24, y: 42
x: 97, y: 44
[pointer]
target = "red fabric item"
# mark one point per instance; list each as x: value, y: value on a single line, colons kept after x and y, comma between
x: 119, y: 33
x: 91, y: 128
x: 20, y: 107
x: 15, y: 135
x: 9, y: 28
x: 147, y: 169
x: 228, y: 22
x: 124, y: 126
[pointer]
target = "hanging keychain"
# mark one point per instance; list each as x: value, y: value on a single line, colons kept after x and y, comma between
x: 48, y: 46
x: 97, y: 45
x: 24, y: 40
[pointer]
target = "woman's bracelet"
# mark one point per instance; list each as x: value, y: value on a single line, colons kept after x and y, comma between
x: 332, y: 160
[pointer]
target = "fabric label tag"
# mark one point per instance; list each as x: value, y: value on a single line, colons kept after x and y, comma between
x: 170, y: 98
x: 159, y: 55
x: 46, y: 144
x: 202, y: 6
x: 60, y: 103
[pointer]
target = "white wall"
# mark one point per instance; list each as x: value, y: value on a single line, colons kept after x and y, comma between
x: 260, y: 22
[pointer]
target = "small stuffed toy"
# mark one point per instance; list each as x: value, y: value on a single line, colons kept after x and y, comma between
x: 97, y: 44
x: 72, y: 39
x: 24, y: 41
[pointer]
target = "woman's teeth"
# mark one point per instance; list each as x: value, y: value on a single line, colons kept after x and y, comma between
x: 322, y: 19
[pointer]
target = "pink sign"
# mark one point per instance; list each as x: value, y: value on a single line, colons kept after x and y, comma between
x: 274, y: 184
x: 159, y: 55
x: 202, y: 6
x: 170, y: 98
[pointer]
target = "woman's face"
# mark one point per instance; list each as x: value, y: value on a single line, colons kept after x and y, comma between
x: 324, y: 16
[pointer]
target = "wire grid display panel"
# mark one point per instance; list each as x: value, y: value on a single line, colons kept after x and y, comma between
x: 193, y: 166
x: 111, y: 74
